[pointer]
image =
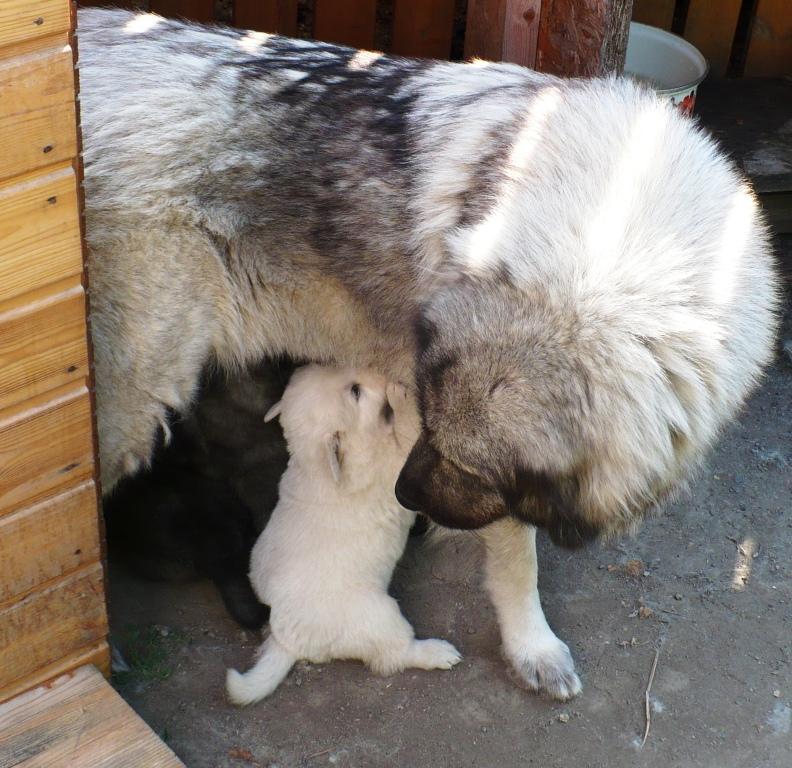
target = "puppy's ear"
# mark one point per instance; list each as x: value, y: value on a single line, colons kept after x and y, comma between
x: 335, y: 455
x: 274, y: 412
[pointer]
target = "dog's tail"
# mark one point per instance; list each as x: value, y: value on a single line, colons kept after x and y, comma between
x: 272, y: 666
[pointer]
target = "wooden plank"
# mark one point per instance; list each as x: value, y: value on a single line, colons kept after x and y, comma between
x: 42, y: 341
x: 656, y: 13
x: 712, y: 30
x: 521, y: 31
x: 196, y: 10
x: 583, y: 37
x: 48, y: 540
x: 27, y: 20
x: 97, y: 655
x: 770, y: 47
x: 39, y: 231
x: 45, y: 444
x: 78, y: 721
x: 484, y: 29
x: 423, y: 28
x: 279, y: 16
x: 348, y: 22
x: 37, y: 122
x: 52, y: 623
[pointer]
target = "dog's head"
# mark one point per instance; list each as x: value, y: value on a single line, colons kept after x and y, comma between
x: 342, y: 422
x: 533, y: 409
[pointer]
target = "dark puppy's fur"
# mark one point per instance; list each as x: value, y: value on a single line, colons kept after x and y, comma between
x: 200, y: 507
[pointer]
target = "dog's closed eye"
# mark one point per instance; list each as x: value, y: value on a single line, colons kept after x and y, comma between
x: 355, y: 391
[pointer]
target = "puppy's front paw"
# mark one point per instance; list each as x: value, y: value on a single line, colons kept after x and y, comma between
x: 546, y: 668
x: 434, y: 654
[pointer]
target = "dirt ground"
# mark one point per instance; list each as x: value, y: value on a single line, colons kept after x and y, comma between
x: 712, y: 595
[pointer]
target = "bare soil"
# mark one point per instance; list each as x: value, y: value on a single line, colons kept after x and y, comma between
x: 707, y: 583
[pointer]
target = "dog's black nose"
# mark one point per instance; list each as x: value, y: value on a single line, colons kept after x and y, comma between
x: 404, y: 495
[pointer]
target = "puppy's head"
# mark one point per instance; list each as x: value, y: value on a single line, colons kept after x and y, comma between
x: 533, y: 409
x: 339, y: 420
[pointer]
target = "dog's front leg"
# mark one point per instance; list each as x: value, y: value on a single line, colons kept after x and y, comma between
x: 542, y: 661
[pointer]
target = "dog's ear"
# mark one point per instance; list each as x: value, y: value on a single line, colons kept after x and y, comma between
x: 274, y: 412
x: 335, y: 454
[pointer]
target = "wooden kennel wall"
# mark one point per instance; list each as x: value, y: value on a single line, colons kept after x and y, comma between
x: 52, y: 604
x: 571, y: 37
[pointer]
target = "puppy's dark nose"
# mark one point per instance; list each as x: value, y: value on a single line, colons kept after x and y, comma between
x: 405, y: 495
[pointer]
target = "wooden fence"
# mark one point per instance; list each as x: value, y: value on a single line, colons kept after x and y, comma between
x: 751, y: 37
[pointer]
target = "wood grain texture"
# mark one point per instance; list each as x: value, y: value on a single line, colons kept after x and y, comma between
x: 770, y: 47
x: 484, y: 29
x: 583, y: 37
x: 52, y: 623
x: 349, y: 22
x: 656, y: 13
x: 30, y: 19
x: 279, y: 16
x: 97, y: 655
x: 196, y: 10
x: 39, y: 230
x: 42, y: 341
x: 521, y: 31
x: 46, y: 443
x: 48, y: 541
x: 37, y: 124
x: 78, y: 721
x: 712, y: 30
x: 423, y: 28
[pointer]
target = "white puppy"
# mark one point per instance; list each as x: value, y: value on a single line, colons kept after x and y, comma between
x: 325, y: 559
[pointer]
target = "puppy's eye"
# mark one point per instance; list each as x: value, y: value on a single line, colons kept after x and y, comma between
x: 355, y: 390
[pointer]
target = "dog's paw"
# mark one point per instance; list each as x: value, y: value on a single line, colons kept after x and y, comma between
x: 546, y: 668
x: 434, y: 654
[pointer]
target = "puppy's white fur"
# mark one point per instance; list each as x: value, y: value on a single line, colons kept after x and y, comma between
x: 325, y: 559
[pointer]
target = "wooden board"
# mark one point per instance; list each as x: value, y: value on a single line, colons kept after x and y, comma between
x: 521, y: 30
x: 45, y: 444
x: 52, y: 623
x: 78, y: 721
x: 770, y: 47
x: 349, y: 22
x: 48, y: 541
x: 423, y: 28
x: 98, y: 655
x: 712, y: 30
x: 27, y: 20
x: 37, y: 125
x: 196, y: 10
x: 484, y: 29
x: 278, y: 16
x: 42, y: 341
x: 583, y: 37
x: 656, y: 13
x: 39, y: 230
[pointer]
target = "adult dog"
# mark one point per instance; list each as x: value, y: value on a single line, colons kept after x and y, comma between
x: 578, y: 280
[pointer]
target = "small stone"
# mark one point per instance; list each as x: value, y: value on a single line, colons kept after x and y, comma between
x: 563, y: 718
x: 645, y: 612
x: 777, y: 693
x: 677, y: 596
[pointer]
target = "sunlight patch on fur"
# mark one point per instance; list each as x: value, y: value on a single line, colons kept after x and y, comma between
x: 142, y: 23
x: 253, y: 41
x: 731, y: 250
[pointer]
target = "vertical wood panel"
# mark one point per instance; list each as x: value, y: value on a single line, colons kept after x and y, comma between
x: 583, y: 37
x: 711, y: 29
x: 349, y: 22
x: 521, y: 31
x: 656, y: 13
x: 423, y: 28
x: 484, y: 29
x: 196, y: 10
x: 770, y: 47
x: 267, y: 15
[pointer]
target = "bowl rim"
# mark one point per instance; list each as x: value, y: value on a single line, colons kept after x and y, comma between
x: 687, y: 87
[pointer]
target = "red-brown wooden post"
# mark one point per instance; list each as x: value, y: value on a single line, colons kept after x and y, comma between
x: 583, y: 37
x: 267, y: 15
x: 195, y: 10
x: 350, y: 22
x: 423, y: 28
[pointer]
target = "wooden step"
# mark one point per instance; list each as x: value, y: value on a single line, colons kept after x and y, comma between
x: 79, y: 721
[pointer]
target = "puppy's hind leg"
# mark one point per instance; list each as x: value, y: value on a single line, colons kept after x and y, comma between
x: 272, y: 666
x: 397, y: 648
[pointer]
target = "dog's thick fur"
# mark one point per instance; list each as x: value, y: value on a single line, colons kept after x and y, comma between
x: 578, y: 280
x: 324, y: 561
